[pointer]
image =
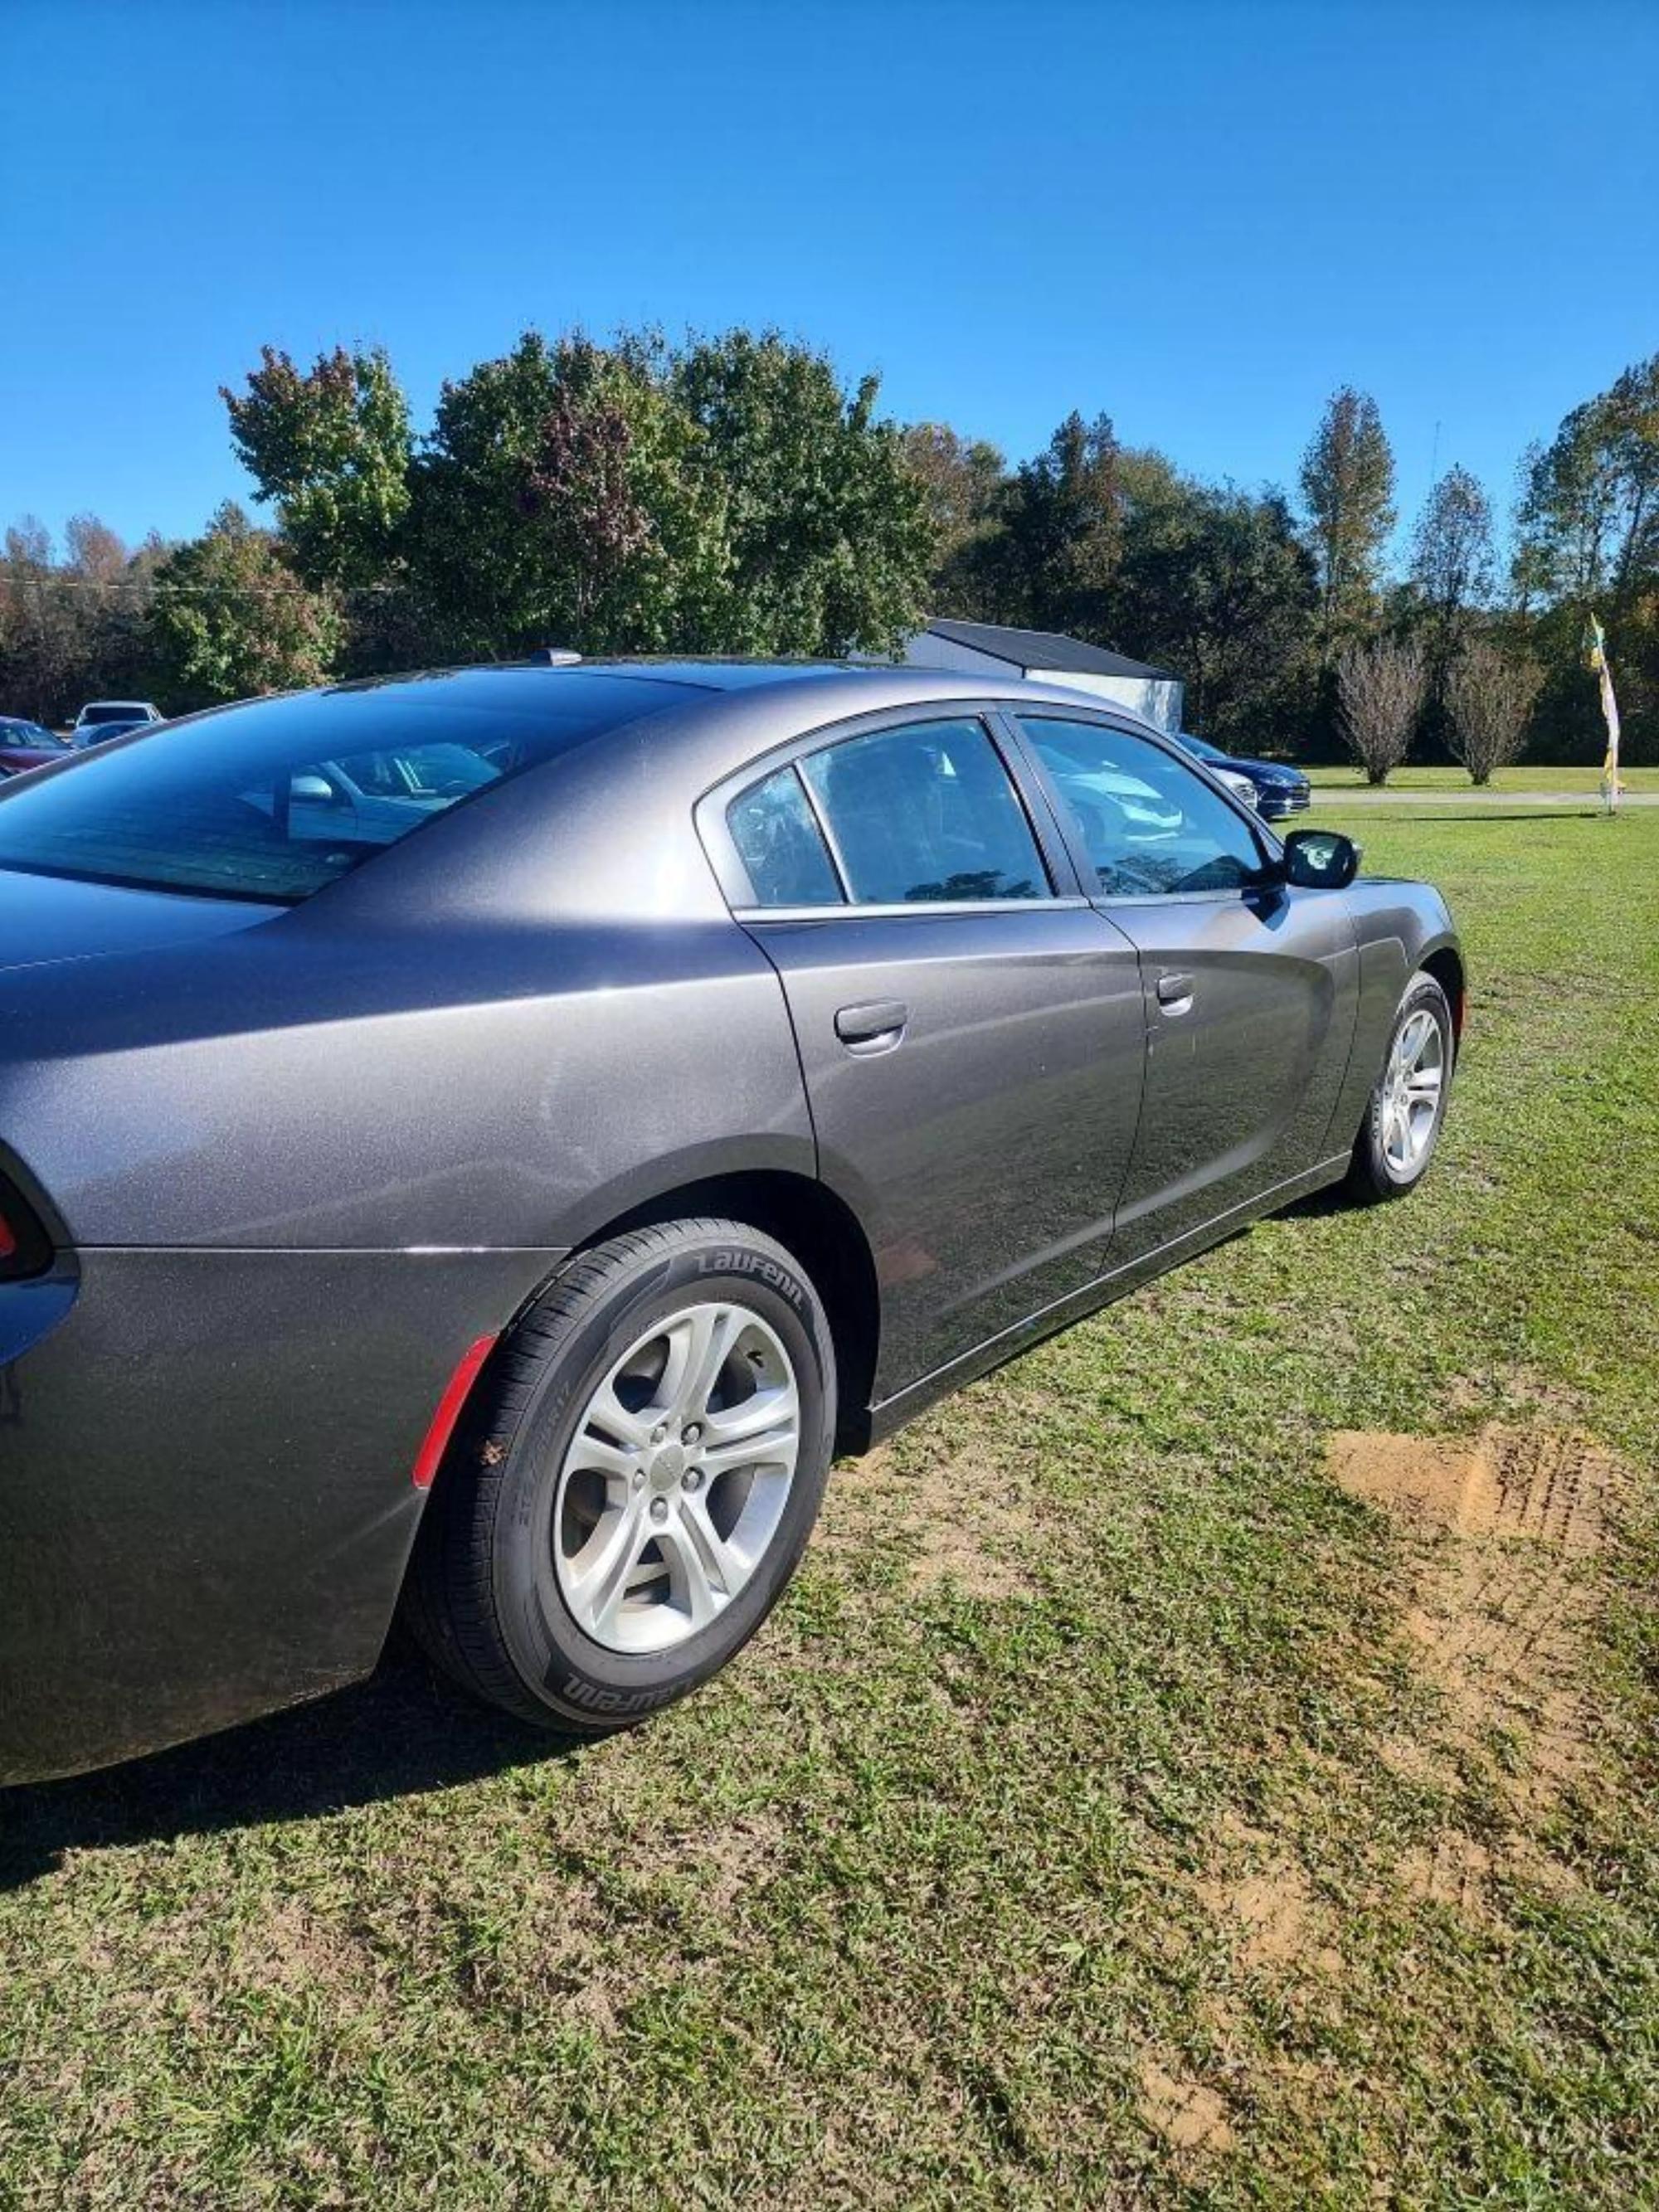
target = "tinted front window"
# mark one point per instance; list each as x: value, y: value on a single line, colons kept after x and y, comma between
x: 276, y: 800
x: 926, y: 813
x: 1146, y: 822
x: 780, y: 844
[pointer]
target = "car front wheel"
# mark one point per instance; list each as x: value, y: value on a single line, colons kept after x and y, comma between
x: 635, y: 1479
x: 1407, y: 1108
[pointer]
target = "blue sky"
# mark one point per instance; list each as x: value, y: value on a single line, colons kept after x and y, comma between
x: 1199, y: 217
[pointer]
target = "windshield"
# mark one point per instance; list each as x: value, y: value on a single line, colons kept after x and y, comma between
x: 1200, y: 748
x: 273, y: 800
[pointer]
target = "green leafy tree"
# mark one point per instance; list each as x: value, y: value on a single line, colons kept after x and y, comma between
x: 1056, y: 554
x: 229, y: 619
x: 330, y: 449
x: 1452, y: 557
x: 1452, y: 570
x: 963, y: 480
x: 71, y: 628
x: 1587, y: 535
x: 827, y: 531
x: 565, y: 499
x: 1348, y: 491
x: 40, y: 644
x: 1588, y: 527
x: 1216, y: 583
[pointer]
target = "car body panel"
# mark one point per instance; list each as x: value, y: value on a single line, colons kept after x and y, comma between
x: 1244, y: 1066
x: 23, y: 760
x: 25, y: 745
x: 299, y: 1160
x: 1399, y: 928
x: 205, y: 1501
x: 1021, y: 1046
x: 273, y: 1087
x: 1279, y: 789
x: 891, y: 1414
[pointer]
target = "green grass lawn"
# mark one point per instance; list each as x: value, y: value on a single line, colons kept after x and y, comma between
x: 1584, y: 779
x: 1117, y: 1811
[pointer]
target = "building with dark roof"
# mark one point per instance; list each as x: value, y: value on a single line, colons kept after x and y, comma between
x: 993, y: 649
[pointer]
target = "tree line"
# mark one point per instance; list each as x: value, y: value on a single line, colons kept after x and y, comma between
x: 732, y: 494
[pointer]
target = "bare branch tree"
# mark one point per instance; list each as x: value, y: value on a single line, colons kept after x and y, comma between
x: 1489, y: 699
x: 1380, y: 687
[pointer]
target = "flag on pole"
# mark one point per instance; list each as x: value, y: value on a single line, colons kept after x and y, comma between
x: 1597, y: 644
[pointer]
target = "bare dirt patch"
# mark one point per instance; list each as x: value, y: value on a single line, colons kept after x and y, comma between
x: 955, y: 1518
x: 1452, y: 1869
x: 1502, y: 1597
x: 1185, y: 2114
x: 1552, y: 1484
x: 1261, y: 1897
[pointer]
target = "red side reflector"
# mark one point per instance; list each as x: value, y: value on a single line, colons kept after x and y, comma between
x: 449, y: 1411
x: 8, y: 1242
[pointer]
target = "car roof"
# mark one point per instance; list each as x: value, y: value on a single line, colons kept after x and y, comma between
x: 649, y: 765
x: 863, y: 685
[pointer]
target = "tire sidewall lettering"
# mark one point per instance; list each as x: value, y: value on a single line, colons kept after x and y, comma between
x: 550, y: 1652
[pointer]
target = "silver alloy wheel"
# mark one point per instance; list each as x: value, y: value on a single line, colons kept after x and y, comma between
x: 677, y: 1479
x: 1412, y: 1087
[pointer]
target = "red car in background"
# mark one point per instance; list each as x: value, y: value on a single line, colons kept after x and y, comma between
x: 24, y: 746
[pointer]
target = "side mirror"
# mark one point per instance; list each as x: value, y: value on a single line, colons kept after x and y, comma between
x: 313, y: 790
x: 1320, y: 859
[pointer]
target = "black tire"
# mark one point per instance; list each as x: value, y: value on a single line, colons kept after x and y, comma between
x: 1373, y: 1177
x: 481, y: 1596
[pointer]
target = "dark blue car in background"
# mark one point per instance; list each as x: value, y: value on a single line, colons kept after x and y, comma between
x: 1279, y: 789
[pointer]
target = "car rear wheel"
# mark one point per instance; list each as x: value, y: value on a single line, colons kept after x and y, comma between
x: 1407, y: 1111
x: 634, y: 1480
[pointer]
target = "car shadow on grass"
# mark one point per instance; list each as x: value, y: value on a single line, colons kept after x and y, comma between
x: 404, y: 1731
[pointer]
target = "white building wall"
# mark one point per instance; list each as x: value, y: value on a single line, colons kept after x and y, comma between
x: 1155, y: 699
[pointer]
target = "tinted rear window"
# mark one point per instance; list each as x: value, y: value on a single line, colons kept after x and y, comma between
x: 128, y: 712
x: 273, y: 800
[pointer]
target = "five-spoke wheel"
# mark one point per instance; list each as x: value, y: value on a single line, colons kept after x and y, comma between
x: 676, y: 1478
x: 634, y: 1477
x: 1403, y: 1118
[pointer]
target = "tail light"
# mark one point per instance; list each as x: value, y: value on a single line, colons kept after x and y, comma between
x: 24, y: 1247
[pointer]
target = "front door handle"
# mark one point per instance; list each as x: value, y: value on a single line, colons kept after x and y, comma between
x: 875, y: 1027
x: 1175, y: 991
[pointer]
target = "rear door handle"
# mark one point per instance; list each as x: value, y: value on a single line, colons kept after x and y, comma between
x: 876, y: 1027
x: 1174, y: 992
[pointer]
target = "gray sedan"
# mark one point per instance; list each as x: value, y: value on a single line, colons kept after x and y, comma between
x: 504, y: 1188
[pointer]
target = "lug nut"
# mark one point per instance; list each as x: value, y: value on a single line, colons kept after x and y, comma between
x: 660, y: 1509
x: 692, y: 1479
x: 690, y: 1433
x: 659, y: 1432
x: 639, y: 1477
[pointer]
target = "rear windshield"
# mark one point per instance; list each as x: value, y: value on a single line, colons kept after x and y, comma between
x: 273, y: 800
x: 116, y: 711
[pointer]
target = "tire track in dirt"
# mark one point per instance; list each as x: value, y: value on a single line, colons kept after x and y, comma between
x: 1502, y: 1602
